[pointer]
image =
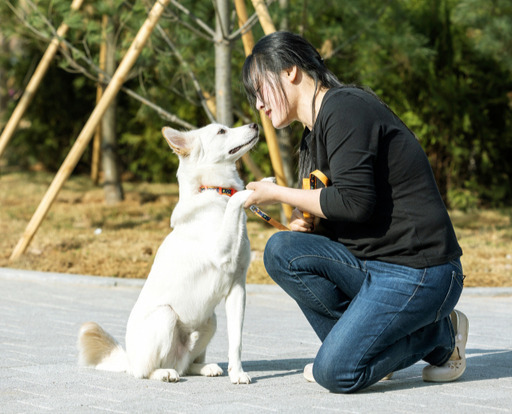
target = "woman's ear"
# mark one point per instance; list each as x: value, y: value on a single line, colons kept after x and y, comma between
x: 291, y: 73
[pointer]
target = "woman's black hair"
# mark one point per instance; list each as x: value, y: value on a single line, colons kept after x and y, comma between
x: 279, y: 51
x: 275, y: 53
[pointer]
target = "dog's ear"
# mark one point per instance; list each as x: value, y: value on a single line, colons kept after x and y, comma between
x: 177, y: 141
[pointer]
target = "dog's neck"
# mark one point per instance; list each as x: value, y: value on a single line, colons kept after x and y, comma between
x: 192, y: 177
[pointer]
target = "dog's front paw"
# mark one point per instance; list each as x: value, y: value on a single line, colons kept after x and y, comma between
x: 239, y: 377
x: 165, y: 375
x: 211, y: 370
x: 270, y: 179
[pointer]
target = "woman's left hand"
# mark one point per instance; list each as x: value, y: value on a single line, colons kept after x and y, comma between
x: 264, y: 192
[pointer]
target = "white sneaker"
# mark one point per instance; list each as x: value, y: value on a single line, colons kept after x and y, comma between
x: 308, y: 373
x: 456, y: 365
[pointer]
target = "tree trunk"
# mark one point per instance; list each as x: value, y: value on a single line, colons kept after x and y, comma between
x: 112, y: 185
x: 4, y: 93
x: 223, y: 65
x: 284, y: 137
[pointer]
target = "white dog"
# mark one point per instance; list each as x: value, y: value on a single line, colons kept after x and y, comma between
x: 202, y: 261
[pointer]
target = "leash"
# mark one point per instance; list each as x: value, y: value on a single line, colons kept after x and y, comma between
x: 268, y: 219
x: 310, y: 183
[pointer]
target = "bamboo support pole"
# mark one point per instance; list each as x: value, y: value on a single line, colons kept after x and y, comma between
x: 263, y: 16
x: 268, y: 128
x: 96, y: 143
x: 34, y: 82
x: 88, y: 130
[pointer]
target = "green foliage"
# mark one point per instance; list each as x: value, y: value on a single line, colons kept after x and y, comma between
x: 444, y: 66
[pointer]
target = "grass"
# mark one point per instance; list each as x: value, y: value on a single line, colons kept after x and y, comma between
x: 83, y: 235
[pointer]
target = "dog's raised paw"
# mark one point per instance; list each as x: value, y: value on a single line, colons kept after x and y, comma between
x: 240, y: 197
x: 165, y: 375
x: 270, y: 179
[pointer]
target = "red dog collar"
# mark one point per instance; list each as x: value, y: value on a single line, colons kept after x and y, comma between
x: 221, y: 190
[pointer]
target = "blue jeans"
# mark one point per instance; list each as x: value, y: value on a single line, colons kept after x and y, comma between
x: 372, y: 317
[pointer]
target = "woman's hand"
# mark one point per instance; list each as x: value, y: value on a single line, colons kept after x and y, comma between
x: 264, y: 192
x: 299, y: 223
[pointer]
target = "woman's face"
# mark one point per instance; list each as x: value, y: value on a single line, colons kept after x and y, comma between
x: 272, y: 99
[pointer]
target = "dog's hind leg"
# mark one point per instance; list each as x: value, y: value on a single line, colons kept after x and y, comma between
x: 152, y: 345
x: 198, y: 367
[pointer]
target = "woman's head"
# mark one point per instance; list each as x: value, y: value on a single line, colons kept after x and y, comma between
x: 276, y: 53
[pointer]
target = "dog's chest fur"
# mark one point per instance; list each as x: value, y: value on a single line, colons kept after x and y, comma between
x: 191, y: 274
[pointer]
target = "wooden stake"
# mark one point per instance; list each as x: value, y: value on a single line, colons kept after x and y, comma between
x: 264, y: 16
x: 34, y: 82
x: 268, y: 128
x: 96, y: 143
x: 88, y: 130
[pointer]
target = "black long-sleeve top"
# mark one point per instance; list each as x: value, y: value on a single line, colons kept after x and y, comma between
x: 383, y: 202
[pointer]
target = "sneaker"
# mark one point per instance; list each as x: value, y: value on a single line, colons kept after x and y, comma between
x: 387, y: 377
x: 308, y: 373
x: 456, y: 365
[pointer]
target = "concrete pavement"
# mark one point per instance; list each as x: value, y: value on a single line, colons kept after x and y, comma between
x: 40, y: 314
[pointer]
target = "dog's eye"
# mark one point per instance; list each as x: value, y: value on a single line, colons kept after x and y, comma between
x: 221, y: 131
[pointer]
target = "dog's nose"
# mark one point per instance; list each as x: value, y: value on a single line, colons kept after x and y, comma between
x: 253, y: 126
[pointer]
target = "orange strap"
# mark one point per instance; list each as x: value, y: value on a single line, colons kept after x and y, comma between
x: 311, y: 183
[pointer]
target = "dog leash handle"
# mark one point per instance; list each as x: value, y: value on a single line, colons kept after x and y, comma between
x: 261, y: 214
x: 307, y: 183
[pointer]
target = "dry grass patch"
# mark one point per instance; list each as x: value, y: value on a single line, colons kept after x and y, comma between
x: 82, y: 235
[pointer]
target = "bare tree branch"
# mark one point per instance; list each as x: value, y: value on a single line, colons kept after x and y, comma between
x: 77, y: 68
x: 197, y: 32
x: 248, y: 25
x: 195, y: 82
x: 159, y: 110
x: 198, y: 21
x: 23, y: 20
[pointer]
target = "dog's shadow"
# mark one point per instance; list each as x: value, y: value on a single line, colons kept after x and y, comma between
x: 276, y: 367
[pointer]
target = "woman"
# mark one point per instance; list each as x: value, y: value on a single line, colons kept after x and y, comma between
x: 379, y: 276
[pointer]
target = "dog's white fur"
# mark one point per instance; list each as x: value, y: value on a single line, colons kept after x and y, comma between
x: 202, y: 261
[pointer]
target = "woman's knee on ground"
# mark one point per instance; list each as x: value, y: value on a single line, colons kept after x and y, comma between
x: 333, y: 375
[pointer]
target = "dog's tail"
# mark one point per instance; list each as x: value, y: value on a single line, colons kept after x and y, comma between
x: 97, y: 348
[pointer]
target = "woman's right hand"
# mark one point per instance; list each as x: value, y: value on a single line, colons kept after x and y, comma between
x: 299, y: 223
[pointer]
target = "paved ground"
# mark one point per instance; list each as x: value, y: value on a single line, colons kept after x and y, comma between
x: 40, y: 314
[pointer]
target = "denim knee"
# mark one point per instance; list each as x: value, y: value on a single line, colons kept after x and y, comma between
x: 329, y: 375
x: 273, y: 257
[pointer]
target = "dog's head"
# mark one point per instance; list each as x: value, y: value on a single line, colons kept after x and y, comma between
x: 212, y: 144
